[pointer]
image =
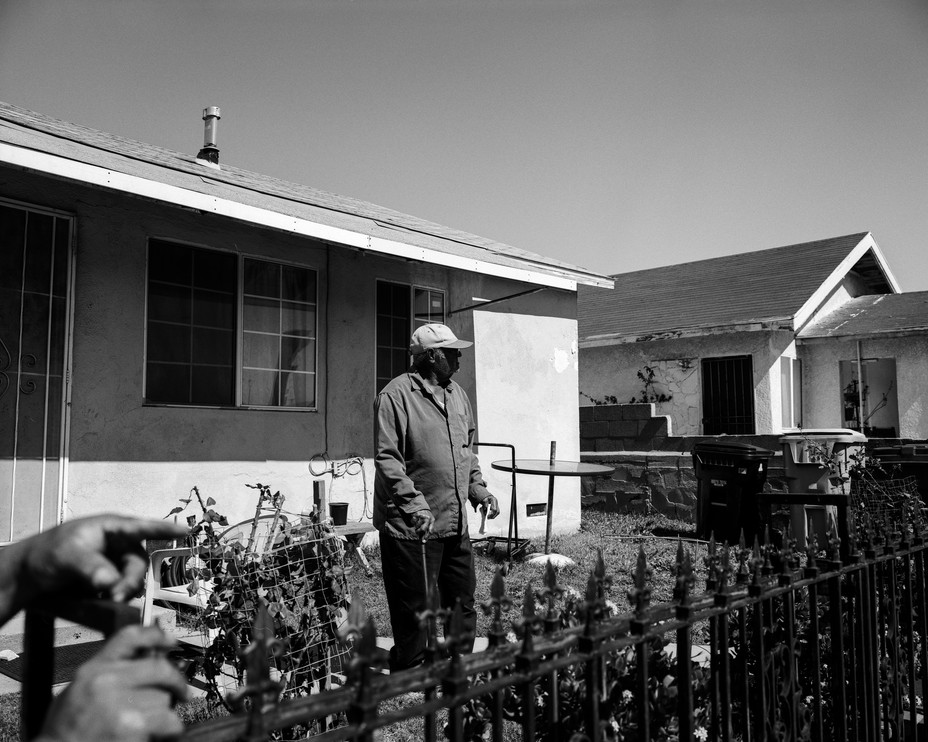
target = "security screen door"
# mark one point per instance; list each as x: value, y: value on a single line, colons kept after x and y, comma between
x: 34, y: 312
x: 728, y: 395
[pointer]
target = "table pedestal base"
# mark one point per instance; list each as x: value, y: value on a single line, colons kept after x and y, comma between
x: 514, y: 547
x: 558, y: 560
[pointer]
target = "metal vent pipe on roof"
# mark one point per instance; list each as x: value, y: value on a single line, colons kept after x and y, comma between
x: 209, y: 155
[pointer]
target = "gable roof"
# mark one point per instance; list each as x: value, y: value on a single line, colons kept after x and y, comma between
x: 39, y: 143
x: 866, y: 316
x: 779, y: 287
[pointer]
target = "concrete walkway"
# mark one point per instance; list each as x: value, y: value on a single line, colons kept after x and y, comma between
x: 66, y: 632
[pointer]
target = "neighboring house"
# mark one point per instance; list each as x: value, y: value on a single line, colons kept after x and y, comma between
x: 168, y: 321
x: 881, y: 340
x: 741, y: 345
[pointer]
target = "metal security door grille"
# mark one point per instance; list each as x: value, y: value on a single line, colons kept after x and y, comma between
x: 34, y: 317
x: 728, y: 395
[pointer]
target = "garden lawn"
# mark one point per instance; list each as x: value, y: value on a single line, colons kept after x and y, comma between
x: 620, y: 537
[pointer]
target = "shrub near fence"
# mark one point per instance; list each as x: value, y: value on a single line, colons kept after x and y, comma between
x: 798, y: 646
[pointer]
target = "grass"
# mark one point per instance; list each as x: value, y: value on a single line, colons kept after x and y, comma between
x: 619, y: 536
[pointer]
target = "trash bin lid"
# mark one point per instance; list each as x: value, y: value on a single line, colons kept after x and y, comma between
x: 838, y: 435
x: 741, y: 450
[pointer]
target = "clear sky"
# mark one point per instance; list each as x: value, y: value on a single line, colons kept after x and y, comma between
x: 612, y: 134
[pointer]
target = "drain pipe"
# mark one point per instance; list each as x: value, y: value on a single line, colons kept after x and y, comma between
x: 860, y: 389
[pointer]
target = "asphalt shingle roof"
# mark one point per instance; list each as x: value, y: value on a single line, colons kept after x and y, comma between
x: 883, y: 314
x: 30, y: 130
x: 765, y: 285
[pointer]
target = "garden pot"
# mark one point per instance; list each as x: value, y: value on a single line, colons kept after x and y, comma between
x: 339, y: 512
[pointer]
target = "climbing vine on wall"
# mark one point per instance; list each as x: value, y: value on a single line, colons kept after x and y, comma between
x: 649, y: 390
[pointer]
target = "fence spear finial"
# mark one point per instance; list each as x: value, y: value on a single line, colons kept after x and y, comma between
x: 548, y: 595
x: 640, y: 595
x: 685, y: 577
x: 525, y: 626
x: 498, y: 602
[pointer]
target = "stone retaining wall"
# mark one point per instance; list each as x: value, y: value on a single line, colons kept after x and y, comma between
x: 656, y: 482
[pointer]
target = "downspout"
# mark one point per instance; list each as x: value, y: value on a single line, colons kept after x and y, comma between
x: 64, y: 471
x: 860, y: 389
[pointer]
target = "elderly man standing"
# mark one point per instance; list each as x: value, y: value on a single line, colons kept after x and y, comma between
x: 426, y: 471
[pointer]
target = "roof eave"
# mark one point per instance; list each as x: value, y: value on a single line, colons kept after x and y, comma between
x: 766, y: 325
x: 897, y: 333
x: 68, y: 169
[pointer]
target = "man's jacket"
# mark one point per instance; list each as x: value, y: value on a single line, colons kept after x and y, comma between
x: 423, y: 457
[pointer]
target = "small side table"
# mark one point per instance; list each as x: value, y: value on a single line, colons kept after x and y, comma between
x: 353, y: 533
x: 552, y: 468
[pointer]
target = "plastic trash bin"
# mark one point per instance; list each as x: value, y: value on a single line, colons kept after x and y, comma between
x: 729, y: 477
x: 905, y: 460
x: 817, y: 460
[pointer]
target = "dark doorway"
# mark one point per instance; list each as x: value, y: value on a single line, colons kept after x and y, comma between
x: 728, y: 395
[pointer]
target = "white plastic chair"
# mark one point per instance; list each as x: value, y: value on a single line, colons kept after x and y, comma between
x: 155, y: 589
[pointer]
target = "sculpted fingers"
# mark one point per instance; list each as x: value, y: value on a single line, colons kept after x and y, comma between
x: 132, y: 576
x: 117, y: 697
x: 137, y: 529
x: 133, y: 642
x: 103, y: 553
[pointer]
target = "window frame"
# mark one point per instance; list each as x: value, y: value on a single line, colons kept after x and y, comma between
x: 240, y: 365
x: 413, y: 322
x: 790, y: 393
x: 237, y: 331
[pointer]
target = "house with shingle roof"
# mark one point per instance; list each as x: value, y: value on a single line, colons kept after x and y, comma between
x: 762, y: 342
x: 168, y: 320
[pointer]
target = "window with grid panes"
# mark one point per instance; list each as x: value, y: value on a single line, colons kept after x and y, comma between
x: 278, y: 335
x: 193, y: 338
x: 400, y: 309
x: 190, y: 348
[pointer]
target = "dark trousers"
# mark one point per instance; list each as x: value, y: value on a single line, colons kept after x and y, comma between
x: 450, y: 567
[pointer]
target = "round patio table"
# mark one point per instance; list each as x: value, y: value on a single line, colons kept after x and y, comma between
x: 552, y: 469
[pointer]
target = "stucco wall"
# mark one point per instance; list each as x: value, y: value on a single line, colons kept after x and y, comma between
x: 822, y: 387
x: 126, y: 456
x: 611, y: 370
x: 541, y: 407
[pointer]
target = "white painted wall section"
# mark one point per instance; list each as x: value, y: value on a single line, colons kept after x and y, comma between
x: 527, y: 382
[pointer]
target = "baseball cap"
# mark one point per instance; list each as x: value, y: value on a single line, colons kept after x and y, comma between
x: 435, y: 336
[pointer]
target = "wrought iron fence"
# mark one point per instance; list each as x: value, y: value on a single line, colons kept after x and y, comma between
x: 779, y: 645
x: 775, y: 645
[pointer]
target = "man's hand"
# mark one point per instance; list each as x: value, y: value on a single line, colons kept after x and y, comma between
x: 125, y: 693
x: 490, y: 506
x: 423, y: 522
x: 101, y: 555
